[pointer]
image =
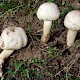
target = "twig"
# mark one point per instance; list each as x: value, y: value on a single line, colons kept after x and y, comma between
x: 39, y: 31
x: 69, y: 65
x: 58, y: 72
x: 74, y: 60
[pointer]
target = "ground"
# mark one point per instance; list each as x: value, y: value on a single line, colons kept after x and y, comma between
x: 53, y: 61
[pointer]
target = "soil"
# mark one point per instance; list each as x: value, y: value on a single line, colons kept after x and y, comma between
x: 67, y: 59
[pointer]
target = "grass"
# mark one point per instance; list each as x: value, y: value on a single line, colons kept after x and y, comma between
x: 64, y: 11
x: 65, y: 8
x: 70, y: 77
x: 12, y: 6
x: 9, y: 9
x: 32, y: 8
x: 53, y: 52
x: 33, y: 35
x: 33, y: 68
x: 23, y: 69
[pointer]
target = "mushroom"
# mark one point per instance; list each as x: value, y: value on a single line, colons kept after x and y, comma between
x: 47, y: 12
x: 12, y: 38
x: 72, y: 22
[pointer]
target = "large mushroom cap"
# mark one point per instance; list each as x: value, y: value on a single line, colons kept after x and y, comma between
x: 13, y: 38
x: 48, y: 11
x: 72, y: 20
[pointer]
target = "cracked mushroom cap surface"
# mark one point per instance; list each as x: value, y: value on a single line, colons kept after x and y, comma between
x: 13, y: 38
x: 72, y: 20
x: 48, y: 11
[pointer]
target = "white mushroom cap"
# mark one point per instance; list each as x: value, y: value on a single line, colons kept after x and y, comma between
x: 13, y: 38
x: 72, y: 20
x: 48, y: 11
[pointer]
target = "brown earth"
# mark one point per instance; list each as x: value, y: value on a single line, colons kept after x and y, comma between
x: 67, y: 59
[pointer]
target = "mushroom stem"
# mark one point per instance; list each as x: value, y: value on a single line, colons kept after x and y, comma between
x: 46, y: 31
x: 71, y: 35
x: 4, y: 55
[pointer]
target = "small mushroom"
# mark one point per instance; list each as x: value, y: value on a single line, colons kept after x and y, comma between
x: 47, y: 12
x: 12, y: 38
x: 72, y: 22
